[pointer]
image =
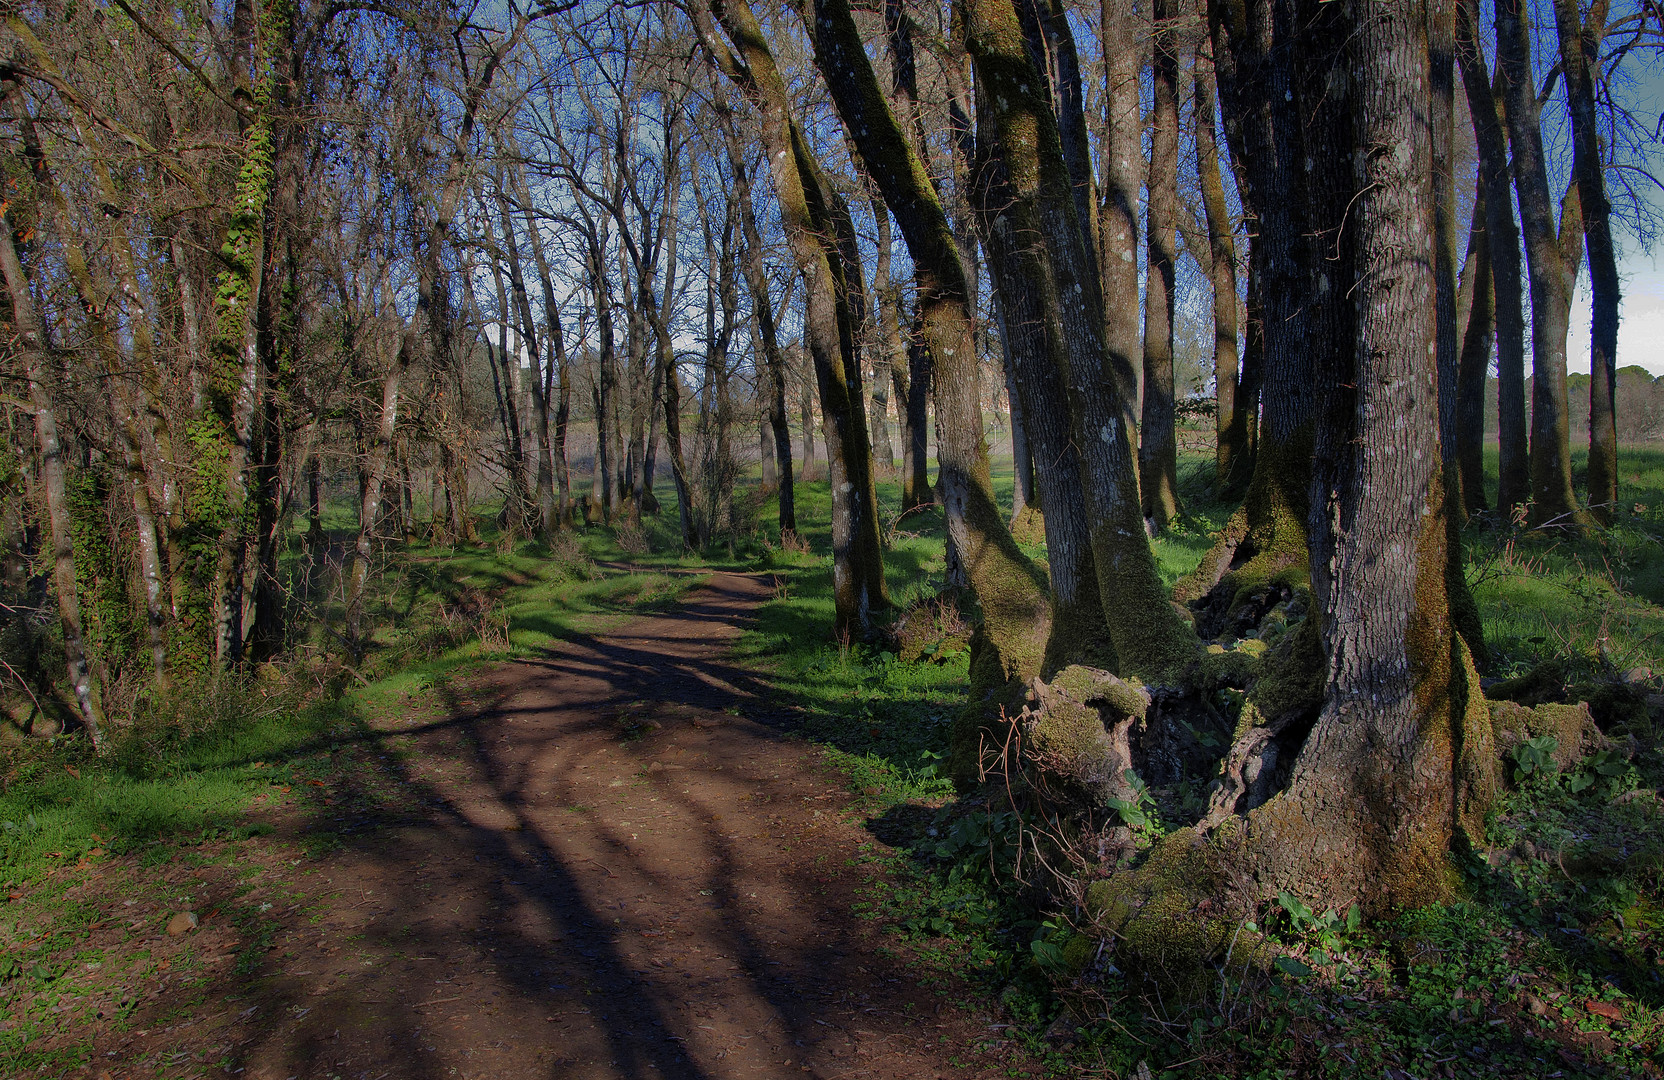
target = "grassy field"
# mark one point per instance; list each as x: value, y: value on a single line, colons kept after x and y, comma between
x: 1551, y: 962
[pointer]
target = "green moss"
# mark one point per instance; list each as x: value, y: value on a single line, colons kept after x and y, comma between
x: 1570, y: 726
x: 1290, y: 679
x: 1029, y: 527
x: 1171, y: 917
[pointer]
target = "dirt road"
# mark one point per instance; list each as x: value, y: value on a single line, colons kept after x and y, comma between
x: 617, y: 874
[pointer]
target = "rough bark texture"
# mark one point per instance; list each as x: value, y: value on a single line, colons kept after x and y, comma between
x: 1399, y: 763
x: 1579, y: 60
x: 1158, y: 453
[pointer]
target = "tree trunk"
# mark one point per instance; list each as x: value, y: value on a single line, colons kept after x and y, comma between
x: 557, y: 371
x: 886, y: 297
x: 1009, y: 589
x: 32, y: 343
x: 1579, y: 60
x: 1398, y: 764
x: 1553, y: 501
x: 1230, y: 421
x: 1045, y: 286
x: 1476, y: 303
x: 773, y: 388
x: 1116, y: 249
x: 377, y: 455
x: 606, y: 377
x: 1296, y: 311
x: 1503, y: 244
x: 1381, y: 786
x: 806, y: 414
x: 821, y: 235
x: 545, y: 516
x: 1158, y: 461
x: 1024, y: 499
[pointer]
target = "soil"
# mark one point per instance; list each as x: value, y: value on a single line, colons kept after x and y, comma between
x: 607, y: 861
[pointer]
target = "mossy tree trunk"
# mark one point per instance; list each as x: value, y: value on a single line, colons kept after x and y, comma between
x: 144, y: 472
x: 821, y: 235
x: 1255, y: 43
x: 1045, y: 268
x: 1398, y: 766
x: 1158, y: 452
x: 32, y: 343
x: 1009, y: 589
x: 1382, y: 785
x: 1579, y: 61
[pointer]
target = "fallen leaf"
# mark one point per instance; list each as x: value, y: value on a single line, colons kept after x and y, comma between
x: 1606, y: 1009
x: 73, y: 771
x: 314, y: 783
x: 95, y: 853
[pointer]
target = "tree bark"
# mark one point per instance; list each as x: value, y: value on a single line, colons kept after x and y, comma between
x: 1158, y: 460
x: 1009, y: 589
x: 1503, y: 244
x: 821, y: 235
x: 1230, y: 420
x: 544, y: 500
x: 1045, y: 286
x: 377, y: 455
x: 32, y: 343
x: 1119, y: 161
x: 762, y: 310
x: 1579, y: 60
x: 889, y: 350
x: 1553, y: 500
x: 1380, y: 788
x: 1398, y: 764
x: 1476, y: 301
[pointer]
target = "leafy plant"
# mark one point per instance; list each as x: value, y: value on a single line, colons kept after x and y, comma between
x: 1139, y: 812
x: 1534, y: 757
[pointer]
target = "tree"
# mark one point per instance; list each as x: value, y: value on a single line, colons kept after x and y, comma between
x: 1580, y: 43
x: 1553, y: 501
x: 1158, y: 445
x: 1009, y: 589
x: 821, y: 235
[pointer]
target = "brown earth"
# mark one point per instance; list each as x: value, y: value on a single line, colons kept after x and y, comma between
x: 597, y: 863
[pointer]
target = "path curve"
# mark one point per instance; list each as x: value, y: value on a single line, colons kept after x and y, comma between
x: 620, y: 876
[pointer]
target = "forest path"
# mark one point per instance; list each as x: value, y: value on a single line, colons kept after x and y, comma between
x: 614, y: 878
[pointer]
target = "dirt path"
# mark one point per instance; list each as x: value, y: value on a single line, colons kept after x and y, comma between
x: 615, y: 877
